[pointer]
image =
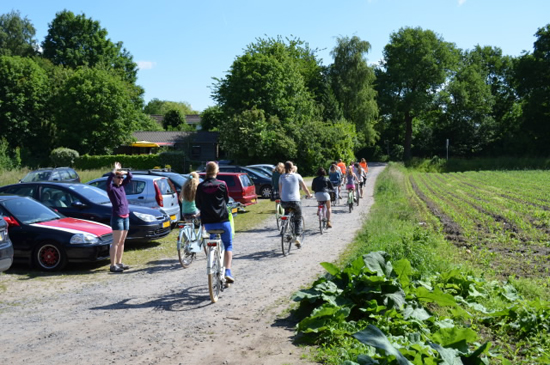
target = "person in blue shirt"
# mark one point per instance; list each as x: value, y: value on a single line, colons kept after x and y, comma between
x: 120, y: 218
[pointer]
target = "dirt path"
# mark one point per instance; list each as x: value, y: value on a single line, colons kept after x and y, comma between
x: 162, y: 314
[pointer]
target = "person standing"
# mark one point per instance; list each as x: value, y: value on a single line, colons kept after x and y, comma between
x: 289, y: 188
x: 187, y: 197
x: 120, y: 218
x: 211, y: 199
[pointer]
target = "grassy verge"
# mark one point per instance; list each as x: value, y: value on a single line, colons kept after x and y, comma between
x: 359, y: 315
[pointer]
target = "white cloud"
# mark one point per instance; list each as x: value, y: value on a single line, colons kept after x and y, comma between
x: 146, y: 65
x: 460, y: 2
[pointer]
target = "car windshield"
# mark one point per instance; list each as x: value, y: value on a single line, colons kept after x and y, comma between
x: 177, y: 179
x: 37, y: 176
x: 256, y: 173
x: 27, y: 210
x: 93, y: 194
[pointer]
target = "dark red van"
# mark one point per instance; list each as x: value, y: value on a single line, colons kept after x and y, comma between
x: 241, y: 188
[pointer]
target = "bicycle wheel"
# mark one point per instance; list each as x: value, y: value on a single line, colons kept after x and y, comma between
x: 350, y: 200
x: 214, y: 282
x: 185, y: 257
x: 320, y: 215
x: 286, y: 237
x: 303, y: 235
x: 278, y: 215
x: 357, y: 196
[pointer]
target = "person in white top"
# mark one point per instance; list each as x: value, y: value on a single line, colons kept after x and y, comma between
x: 289, y: 190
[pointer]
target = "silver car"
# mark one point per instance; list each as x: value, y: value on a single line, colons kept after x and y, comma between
x: 149, y: 191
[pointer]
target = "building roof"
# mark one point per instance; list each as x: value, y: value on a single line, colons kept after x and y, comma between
x: 164, y: 138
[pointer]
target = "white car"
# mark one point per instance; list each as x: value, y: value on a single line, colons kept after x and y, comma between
x: 149, y: 191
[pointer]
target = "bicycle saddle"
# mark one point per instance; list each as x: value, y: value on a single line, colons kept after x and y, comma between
x: 216, y: 231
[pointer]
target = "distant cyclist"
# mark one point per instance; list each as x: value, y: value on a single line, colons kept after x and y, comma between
x: 335, y: 177
x: 289, y: 189
x: 351, y: 180
x: 321, y: 185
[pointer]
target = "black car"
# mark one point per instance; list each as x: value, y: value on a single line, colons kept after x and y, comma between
x: 261, y: 181
x: 65, y: 174
x: 6, y: 247
x: 48, y: 240
x: 88, y: 202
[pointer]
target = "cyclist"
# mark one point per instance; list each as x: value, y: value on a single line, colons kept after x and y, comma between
x: 364, y: 165
x: 277, y: 172
x: 211, y: 198
x: 187, y: 197
x: 335, y: 177
x: 321, y: 185
x: 351, y: 180
x: 342, y: 167
x: 289, y: 189
x: 360, y: 173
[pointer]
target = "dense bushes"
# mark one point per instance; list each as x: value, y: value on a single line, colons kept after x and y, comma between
x: 173, y: 159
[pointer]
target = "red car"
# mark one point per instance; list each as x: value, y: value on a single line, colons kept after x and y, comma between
x: 240, y: 187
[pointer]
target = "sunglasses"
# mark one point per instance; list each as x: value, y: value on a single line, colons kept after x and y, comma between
x: 118, y: 177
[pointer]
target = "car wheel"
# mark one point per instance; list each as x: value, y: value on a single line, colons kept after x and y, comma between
x: 265, y: 191
x: 50, y: 256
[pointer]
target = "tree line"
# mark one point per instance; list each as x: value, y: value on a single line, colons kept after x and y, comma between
x: 278, y: 101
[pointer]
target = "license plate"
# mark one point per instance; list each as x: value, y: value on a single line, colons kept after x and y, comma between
x: 234, y: 210
x: 172, y: 217
x: 165, y: 224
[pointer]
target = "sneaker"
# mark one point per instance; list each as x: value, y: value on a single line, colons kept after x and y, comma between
x: 123, y: 266
x: 329, y: 225
x: 228, y: 278
x: 116, y: 268
x: 298, y: 243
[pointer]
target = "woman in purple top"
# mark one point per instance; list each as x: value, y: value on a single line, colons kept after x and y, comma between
x: 120, y: 219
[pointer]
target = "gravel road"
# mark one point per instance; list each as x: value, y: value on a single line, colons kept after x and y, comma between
x: 161, y: 314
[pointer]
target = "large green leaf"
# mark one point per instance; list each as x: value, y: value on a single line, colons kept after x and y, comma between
x: 437, y: 296
x: 452, y: 337
x: 331, y: 268
x: 376, y: 262
x: 372, y: 336
x: 404, y: 270
x: 417, y: 313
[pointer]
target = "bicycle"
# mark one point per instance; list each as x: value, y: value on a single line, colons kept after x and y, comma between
x: 350, y: 199
x: 215, y: 268
x: 322, y: 214
x: 357, y: 194
x: 287, y: 231
x: 190, y: 241
x: 279, y: 211
x: 335, y: 196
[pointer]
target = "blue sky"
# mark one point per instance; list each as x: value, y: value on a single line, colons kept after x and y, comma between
x: 181, y: 45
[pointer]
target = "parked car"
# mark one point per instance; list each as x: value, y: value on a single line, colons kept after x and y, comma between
x: 266, y: 169
x: 66, y: 174
x: 177, y: 179
x: 91, y: 203
x: 261, y: 181
x: 240, y: 187
x: 49, y: 240
x: 6, y: 247
x: 149, y: 191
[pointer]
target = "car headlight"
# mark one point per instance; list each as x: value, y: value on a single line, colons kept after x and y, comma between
x: 145, y: 217
x: 85, y: 238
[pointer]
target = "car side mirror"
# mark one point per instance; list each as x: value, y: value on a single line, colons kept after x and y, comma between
x: 78, y: 204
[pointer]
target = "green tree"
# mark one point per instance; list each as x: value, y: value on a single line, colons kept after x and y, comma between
x: 24, y: 96
x: 74, y: 40
x: 416, y: 64
x: 352, y: 81
x: 17, y: 35
x: 174, y: 120
x: 95, y: 112
x: 212, y: 118
x: 533, y: 80
x: 161, y: 107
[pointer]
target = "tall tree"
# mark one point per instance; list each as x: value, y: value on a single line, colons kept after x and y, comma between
x: 74, y: 40
x: 24, y: 95
x: 533, y: 78
x: 95, y: 112
x: 352, y: 81
x: 17, y: 35
x: 416, y: 64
